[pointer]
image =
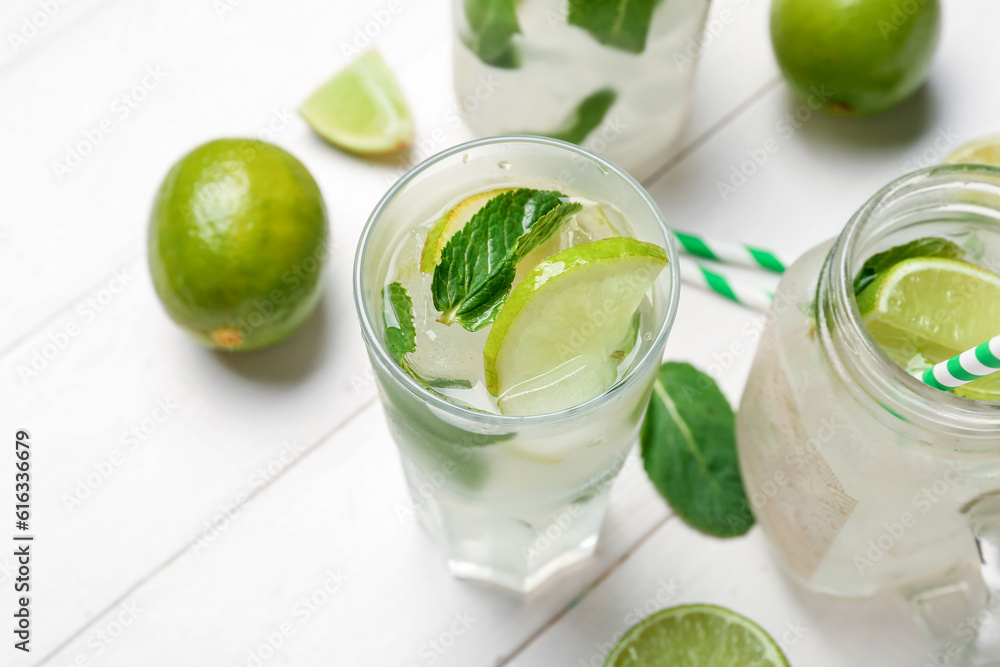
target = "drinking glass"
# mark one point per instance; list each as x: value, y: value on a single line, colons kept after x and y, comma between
x: 566, y: 69
x: 510, y: 499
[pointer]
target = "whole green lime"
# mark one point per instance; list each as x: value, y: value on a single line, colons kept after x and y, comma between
x: 855, y: 57
x: 237, y: 241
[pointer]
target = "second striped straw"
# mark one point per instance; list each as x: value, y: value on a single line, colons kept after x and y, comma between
x: 729, y: 252
x: 698, y: 274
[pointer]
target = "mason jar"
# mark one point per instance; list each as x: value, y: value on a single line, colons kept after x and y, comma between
x: 864, y: 479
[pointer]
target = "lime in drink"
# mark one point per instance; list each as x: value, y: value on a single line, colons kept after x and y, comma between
x: 612, y: 76
x: 865, y: 479
x: 515, y: 295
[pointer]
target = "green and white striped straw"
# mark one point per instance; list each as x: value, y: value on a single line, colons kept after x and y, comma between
x: 697, y: 274
x: 729, y: 252
x: 971, y: 365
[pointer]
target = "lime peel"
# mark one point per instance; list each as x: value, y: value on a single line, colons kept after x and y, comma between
x: 694, y: 636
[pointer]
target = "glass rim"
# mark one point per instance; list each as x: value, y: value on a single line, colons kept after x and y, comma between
x: 375, y: 343
x: 891, y: 380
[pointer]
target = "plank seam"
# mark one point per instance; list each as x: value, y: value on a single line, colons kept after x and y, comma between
x: 703, y: 138
x: 613, y: 567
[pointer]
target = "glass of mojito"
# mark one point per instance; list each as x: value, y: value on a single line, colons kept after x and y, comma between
x: 865, y: 479
x: 515, y: 295
x: 613, y: 76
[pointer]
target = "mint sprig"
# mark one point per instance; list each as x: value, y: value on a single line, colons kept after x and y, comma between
x: 493, y: 25
x: 478, y: 264
x: 689, y: 452
x: 619, y: 24
x: 400, y: 334
x: 586, y: 117
x: 878, y: 264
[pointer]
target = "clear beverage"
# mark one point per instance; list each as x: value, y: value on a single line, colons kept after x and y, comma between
x: 864, y: 479
x: 538, y: 84
x: 509, y: 498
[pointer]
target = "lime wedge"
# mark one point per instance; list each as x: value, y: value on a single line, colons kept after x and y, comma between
x: 451, y: 222
x: 696, y: 636
x: 935, y: 307
x: 361, y: 109
x: 981, y: 151
x: 557, y: 340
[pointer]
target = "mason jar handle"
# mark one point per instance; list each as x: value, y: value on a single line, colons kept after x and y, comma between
x: 948, y: 613
x: 963, y: 617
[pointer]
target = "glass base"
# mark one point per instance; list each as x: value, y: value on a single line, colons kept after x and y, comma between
x: 524, y: 583
x: 511, y: 544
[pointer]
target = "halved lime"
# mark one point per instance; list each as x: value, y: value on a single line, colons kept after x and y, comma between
x: 937, y: 308
x: 981, y: 151
x: 451, y: 222
x: 557, y: 340
x: 697, y: 635
x: 361, y: 108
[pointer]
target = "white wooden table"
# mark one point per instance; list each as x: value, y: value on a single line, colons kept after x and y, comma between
x: 192, y: 508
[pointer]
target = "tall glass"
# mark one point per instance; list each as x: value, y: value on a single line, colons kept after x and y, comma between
x: 510, y: 499
x: 864, y: 479
x: 558, y: 67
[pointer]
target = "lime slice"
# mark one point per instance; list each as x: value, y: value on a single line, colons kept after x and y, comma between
x: 696, y: 635
x: 451, y: 222
x: 557, y: 340
x: 981, y: 151
x: 935, y: 307
x: 589, y: 225
x: 361, y: 109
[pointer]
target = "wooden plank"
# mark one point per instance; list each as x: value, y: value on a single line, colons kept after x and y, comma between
x: 84, y: 377
x: 28, y: 26
x: 815, y: 171
x: 336, y: 515
x: 679, y: 566
x: 778, y: 207
x: 160, y: 80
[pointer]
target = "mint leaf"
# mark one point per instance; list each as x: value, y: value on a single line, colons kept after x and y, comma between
x: 435, y: 443
x: 493, y: 24
x: 587, y: 117
x: 619, y: 24
x: 400, y: 334
x: 926, y: 247
x: 689, y: 451
x: 478, y: 263
x: 544, y: 229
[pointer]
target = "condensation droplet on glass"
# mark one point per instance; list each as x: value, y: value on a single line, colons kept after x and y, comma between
x: 504, y: 165
x: 648, y: 336
x: 465, y: 159
x: 604, y: 170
